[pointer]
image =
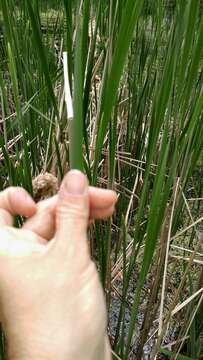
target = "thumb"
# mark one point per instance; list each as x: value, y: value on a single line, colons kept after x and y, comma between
x: 72, y: 211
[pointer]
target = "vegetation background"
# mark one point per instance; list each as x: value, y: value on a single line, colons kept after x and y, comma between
x: 136, y: 73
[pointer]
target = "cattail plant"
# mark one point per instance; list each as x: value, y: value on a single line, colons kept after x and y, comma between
x: 131, y: 77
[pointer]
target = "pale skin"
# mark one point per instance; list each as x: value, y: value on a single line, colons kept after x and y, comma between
x: 51, y: 301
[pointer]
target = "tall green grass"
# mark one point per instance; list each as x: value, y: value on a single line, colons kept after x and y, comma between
x: 135, y: 70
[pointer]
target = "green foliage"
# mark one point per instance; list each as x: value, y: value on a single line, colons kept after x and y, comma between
x: 135, y: 70
x: 179, y: 357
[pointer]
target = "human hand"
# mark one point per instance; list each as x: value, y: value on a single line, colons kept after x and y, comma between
x: 51, y: 301
x: 101, y: 206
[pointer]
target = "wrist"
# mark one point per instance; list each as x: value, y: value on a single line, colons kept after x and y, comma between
x: 45, y: 350
x: 31, y: 347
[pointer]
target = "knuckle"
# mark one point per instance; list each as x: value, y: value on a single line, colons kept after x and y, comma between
x: 73, y: 210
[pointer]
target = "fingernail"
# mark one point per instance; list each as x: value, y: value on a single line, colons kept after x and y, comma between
x: 75, y: 182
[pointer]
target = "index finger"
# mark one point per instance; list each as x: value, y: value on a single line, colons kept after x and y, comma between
x: 15, y: 201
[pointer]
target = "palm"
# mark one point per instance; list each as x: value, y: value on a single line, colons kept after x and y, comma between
x: 51, y: 285
x: 19, y: 242
x: 26, y: 265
